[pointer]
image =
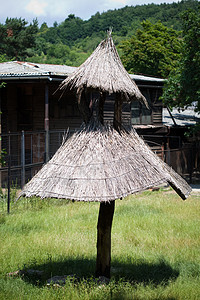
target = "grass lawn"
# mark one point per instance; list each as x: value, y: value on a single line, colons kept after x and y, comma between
x: 155, y: 248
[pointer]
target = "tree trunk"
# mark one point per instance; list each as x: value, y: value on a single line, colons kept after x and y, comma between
x: 106, y: 212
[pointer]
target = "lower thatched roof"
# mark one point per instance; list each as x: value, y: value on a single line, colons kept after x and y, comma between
x: 100, y: 164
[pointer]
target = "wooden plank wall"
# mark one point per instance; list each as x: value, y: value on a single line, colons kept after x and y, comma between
x: 109, y: 111
x: 64, y: 111
x: 157, y: 106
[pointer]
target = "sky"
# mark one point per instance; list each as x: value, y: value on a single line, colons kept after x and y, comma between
x: 50, y: 11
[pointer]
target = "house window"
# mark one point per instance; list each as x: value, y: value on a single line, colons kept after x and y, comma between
x: 140, y: 114
x: 64, y: 108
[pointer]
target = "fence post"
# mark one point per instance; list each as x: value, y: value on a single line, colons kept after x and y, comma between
x: 22, y: 159
x: 9, y: 166
x: 191, y: 163
x: 168, y: 153
x: 46, y: 146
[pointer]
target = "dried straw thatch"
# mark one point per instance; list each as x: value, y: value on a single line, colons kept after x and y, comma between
x: 104, y: 71
x: 101, y: 164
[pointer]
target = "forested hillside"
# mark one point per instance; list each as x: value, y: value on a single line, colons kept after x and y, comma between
x: 72, y: 41
x: 124, y: 22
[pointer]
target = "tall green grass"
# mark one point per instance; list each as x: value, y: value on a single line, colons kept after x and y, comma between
x: 155, y: 248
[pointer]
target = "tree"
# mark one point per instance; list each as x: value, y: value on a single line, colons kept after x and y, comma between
x: 2, y: 59
x: 16, y: 37
x: 183, y: 85
x: 153, y: 50
x: 43, y: 28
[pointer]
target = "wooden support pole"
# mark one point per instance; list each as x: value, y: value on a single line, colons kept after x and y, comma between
x: 9, y: 175
x: 22, y: 159
x: 84, y: 106
x: 102, y: 99
x: 106, y: 212
x: 117, y: 122
x: 46, y: 123
x: 0, y: 132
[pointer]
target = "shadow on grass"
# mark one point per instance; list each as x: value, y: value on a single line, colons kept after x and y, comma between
x: 83, y: 268
x: 143, y: 272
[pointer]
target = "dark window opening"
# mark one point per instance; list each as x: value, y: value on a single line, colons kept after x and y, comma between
x: 25, y: 109
x: 140, y: 114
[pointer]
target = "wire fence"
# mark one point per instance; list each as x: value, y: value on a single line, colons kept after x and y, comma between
x: 24, y: 153
x: 184, y: 158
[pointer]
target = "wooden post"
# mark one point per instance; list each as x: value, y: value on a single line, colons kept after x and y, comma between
x: 0, y: 134
x: 46, y: 123
x: 104, y: 226
x: 106, y: 212
x: 84, y: 106
x: 22, y: 159
x: 102, y: 99
x: 9, y: 175
x: 117, y: 122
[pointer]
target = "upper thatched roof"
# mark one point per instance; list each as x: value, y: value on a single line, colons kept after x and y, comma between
x: 104, y: 71
x: 101, y: 164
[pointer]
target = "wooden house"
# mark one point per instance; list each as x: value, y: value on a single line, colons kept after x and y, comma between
x: 30, y: 102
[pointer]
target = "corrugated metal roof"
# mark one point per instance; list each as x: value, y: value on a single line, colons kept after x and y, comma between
x: 18, y: 69
x: 13, y: 69
x: 146, y: 78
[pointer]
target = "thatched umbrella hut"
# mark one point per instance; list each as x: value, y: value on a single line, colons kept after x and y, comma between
x: 101, y: 162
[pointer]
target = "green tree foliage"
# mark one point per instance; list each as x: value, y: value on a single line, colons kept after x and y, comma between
x: 183, y: 85
x: 67, y: 32
x: 153, y: 50
x: 3, y: 58
x: 124, y: 21
x: 16, y: 37
x: 44, y: 45
x: 58, y: 54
